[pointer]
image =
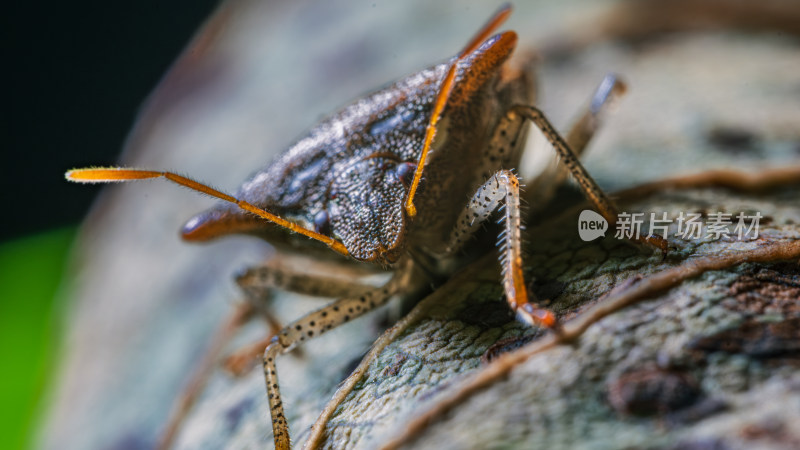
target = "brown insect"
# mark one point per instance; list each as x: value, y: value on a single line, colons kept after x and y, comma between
x: 384, y: 180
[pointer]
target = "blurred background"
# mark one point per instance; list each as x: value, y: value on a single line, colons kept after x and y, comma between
x: 77, y: 74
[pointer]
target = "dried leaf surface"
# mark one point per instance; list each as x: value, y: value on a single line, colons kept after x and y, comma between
x: 559, y: 398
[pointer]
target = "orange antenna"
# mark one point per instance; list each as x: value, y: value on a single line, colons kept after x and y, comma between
x: 118, y: 174
x: 441, y: 99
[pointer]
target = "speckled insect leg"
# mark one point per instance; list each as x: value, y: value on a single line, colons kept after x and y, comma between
x: 604, y: 205
x: 244, y: 359
x: 313, y: 325
x: 501, y: 191
x: 259, y: 282
x: 542, y: 188
x: 501, y: 151
x: 604, y: 97
x: 570, y: 160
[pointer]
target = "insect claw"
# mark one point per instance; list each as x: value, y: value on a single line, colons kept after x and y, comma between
x: 536, y: 316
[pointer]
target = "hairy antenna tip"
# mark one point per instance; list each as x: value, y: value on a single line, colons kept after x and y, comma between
x: 73, y: 175
x: 88, y: 175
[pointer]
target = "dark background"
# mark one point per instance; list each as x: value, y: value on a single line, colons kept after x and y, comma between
x: 77, y: 74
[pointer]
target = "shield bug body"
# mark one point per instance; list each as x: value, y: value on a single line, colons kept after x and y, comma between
x: 384, y: 181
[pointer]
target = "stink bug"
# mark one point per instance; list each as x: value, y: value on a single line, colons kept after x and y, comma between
x: 384, y: 181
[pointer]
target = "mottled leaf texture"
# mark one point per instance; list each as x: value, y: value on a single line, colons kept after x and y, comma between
x: 559, y: 398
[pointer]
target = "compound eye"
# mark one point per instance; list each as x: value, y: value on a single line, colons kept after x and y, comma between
x: 405, y: 172
x: 322, y: 223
